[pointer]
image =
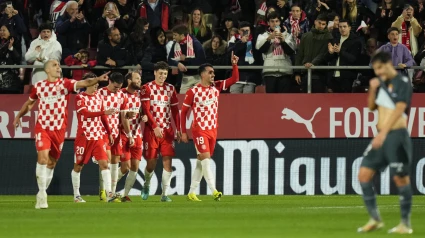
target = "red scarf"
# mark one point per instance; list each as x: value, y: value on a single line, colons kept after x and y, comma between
x: 190, y: 53
x: 277, y: 47
x: 405, y: 35
x: 295, y: 27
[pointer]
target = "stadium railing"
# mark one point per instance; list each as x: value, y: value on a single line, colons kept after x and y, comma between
x: 302, y: 68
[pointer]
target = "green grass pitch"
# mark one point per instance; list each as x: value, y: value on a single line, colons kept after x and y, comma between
x: 234, y: 216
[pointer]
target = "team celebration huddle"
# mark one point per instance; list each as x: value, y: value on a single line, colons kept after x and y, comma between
x: 110, y: 122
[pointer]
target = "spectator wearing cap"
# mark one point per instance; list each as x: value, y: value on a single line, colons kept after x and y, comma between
x: 72, y: 29
x: 157, y: 12
x: 312, y: 52
x: 401, y: 56
x: 276, y: 47
x: 409, y: 28
x: 343, y: 51
x: 9, y: 55
x: 81, y: 58
x: 243, y: 46
x: 42, y: 49
x: 297, y: 24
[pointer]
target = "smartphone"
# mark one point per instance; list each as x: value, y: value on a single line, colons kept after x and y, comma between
x: 277, y: 29
x: 9, y: 4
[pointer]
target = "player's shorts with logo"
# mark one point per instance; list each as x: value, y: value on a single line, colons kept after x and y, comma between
x: 49, y: 140
x: 154, y: 146
x: 116, y: 148
x: 204, y: 140
x: 85, y: 149
x: 134, y: 152
x: 395, y: 152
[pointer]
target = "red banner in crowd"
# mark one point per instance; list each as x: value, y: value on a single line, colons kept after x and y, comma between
x: 259, y: 116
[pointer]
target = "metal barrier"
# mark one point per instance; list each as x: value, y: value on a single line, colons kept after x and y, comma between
x: 309, y: 70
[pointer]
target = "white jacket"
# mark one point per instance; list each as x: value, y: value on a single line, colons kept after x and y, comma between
x: 276, y: 60
x: 50, y: 49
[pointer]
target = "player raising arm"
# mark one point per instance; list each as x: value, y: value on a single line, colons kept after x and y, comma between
x: 131, y: 130
x: 50, y: 127
x: 160, y: 103
x: 203, y: 100
x: 391, y: 94
x: 92, y: 121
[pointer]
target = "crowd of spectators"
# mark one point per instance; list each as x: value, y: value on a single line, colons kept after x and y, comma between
x: 278, y: 33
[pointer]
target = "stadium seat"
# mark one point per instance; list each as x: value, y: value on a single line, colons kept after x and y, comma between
x: 260, y: 89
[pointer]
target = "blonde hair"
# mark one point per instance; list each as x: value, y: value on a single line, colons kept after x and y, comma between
x: 352, y: 7
x: 202, y: 25
x: 106, y: 9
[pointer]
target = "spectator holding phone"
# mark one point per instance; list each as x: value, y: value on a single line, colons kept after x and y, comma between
x: 13, y: 18
x: 9, y: 55
x: 409, y: 28
x: 243, y: 46
x: 110, y: 18
x: 80, y: 58
x: 277, y: 47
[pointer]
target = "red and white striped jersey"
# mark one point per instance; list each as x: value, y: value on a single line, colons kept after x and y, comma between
x: 117, y: 101
x: 53, y: 105
x: 134, y: 104
x: 161, y: 99
x: 204, y: 104
x: 92, y: 128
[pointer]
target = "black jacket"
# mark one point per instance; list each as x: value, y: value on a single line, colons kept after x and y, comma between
x: 204, y: 38
x: 239, y: 49
x: 99, y: 30
x: 117, y: 53
x: 153, y: 54
x: 73, y: 36
x: 350, y: 51
x: 9, y: 80
x: 220, y: 57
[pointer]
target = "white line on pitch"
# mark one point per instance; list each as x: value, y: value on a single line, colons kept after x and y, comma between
x: 350, y: 207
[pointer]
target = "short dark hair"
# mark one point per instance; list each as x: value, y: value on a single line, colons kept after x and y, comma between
x: 45, y: 26
x: 89, y: 75
x: 381, y: 56
x: 181, y: 29
x: 160, y: 65
x: 116, y: 77
x: 296, y: 5
x: 203, y: 67
x: 84, y: 51
x: 129, y: 75
x: 346, y: 21
x: 391, y: 29
x: 322, y: 17
x: 243, y: 24
x: 273, y: 15
x: 331, y: 16
x: 110, y: 30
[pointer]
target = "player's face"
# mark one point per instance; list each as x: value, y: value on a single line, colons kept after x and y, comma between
x: 136, y: 81
x: 53, y: 69
x: 160, y: 76
x: 382, y: 69
x: 208, y: 74
x: 114, y: 87
x: 92, y: 89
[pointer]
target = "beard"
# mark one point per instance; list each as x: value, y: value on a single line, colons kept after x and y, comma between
x: 134, y: 86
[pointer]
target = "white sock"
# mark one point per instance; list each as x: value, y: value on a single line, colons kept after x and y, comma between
x: 129, y: 182
x: 114, y: 177
x: 196, y: 177
x: 106, y: 174
x: 166, y: 179
x: 148, y: 177
x: 120, y: 175
x: 40, y: 173
x: 101, y: 183
x: 209, y: 177
x: 75, y: 177
x: 49, y: 176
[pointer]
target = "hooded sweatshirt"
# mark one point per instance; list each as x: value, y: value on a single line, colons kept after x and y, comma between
x: 50, y: 49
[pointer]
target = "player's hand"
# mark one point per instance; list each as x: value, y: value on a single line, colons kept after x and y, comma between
x: 158, y: 132
x: 17, y: 122
x: 110, y: 111
x: 144, y: 118
x: 181, y: 67
x: 298, y: 79
x: 378, y: 141
x: 185, y: 138
x: 131, y: 141
x: 235, y: 59
x: 374, y: 83
x: 111, y: 140
x: 179, y: 136
x: 104, y: 77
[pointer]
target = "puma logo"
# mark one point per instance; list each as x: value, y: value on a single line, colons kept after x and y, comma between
x: 289, y: 114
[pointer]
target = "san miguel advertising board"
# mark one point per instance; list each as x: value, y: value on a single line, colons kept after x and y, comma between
x: 265, y: 147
